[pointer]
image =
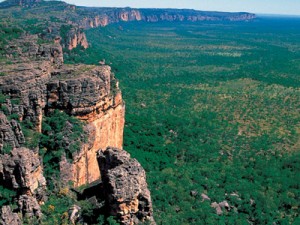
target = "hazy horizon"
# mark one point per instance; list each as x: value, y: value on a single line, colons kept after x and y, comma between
x: 277, y: 7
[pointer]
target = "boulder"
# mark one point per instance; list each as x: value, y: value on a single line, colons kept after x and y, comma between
x: 125, y: 187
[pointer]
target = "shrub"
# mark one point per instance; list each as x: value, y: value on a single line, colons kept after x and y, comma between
x: 7, y: 148
x: 14, y: 116
x: 61, y: 135
x: 6, y: 196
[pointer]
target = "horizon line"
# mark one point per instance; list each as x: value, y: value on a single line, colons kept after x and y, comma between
x: 221, y: 11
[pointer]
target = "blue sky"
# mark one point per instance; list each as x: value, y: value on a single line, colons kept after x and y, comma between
x: 291, y: 7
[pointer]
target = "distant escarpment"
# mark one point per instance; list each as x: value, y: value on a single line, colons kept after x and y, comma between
x: 105, y: 16
x: 66, y: 23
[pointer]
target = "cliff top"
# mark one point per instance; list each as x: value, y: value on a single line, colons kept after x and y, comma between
x: 80, y: 70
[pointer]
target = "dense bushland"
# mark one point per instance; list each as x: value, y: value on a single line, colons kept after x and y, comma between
x: 211, y: 108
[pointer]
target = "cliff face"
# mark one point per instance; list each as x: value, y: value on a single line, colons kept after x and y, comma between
x: 76, y: 38
x: 10, y: 132
x: 45, y: 84
x: 114, y: 16
x: 36, y: 83
x: 103, y: 17
x: 88, y: 96
x: 29, y: 176
x: 9, y: 217
x: 105, y: 130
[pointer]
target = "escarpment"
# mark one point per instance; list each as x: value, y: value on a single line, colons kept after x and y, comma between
x: 88, y: 96
x: 99, y: 17
x: 45, y: 84
x: 36, y: 84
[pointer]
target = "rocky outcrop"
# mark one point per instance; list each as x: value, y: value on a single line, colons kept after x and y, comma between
x: 26, y: 82
x: 74, y: 214
x: 11, y: 135
x: 220, y: 207
x: 36, y: 84
x: 9, y: 217
x: 79, y: 89
x: 125, y: 187
x: 76, y: 38
x: 26, y: 78
x: 22, y: 170
x: 29, y: 207
x: 26, y: 49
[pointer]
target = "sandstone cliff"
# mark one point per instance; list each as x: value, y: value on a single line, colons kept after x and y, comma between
x: 75, y: 38
x: 11, y: 135
x: 80, y: 90
x: 103, y: 17
x: 125, y: 187
x: 85, y: 92
x: 36, y: 84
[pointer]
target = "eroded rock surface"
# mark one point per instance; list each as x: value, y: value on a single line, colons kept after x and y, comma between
x: 22, y: 170
x: 76, y: 37
x: 104, y: 16
x: 220, y: 207
x: 29, y: 207
x: 11, y: 135
x: 8, y: 217
x: 86, y: 92
x: 45, y: 84
x: 125, y: 187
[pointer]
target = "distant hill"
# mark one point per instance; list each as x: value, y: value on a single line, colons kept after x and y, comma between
x: 53, y: 19
x: 19, y: 2
x: 148, y: 15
